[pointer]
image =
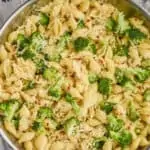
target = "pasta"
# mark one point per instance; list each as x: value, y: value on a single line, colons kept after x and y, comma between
x: 76, y: 76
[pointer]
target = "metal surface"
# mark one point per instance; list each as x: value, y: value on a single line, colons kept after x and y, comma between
x: 136, y: 7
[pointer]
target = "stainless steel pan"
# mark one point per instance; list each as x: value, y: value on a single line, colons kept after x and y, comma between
x: 130, y: 7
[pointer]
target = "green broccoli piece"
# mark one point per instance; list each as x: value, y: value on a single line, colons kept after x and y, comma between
x: 122, y: 24
x: 55, y: 92
x: 40, y: 65
x: 135, y: 34
x: 92, y: 78
x: 132, y: 113
x: 98, y: 143
x: 147, y: 95
x: 44, y: 112
x: 111, y: 24
x: 15, y: 121
x: 107, y: 106
x: 22, y: 42
x: 70, y: 126
x: 29, y: 85
x: 28, y: 54
x: 64, y: 39
x: 124, y: 137
x: 114, y: 124
x: 38, y: 126
x: 44, y: 19
x: 54, y: 57
x: 80, y: 24
x: 73, y: 103
x: 92, y: 48
x: 104, y: 86
x: 37, y: 42
x: 81, y: 43
x: 141, y: 74
x: 122, y: 79
x: 51, y: 74
x: 9, y: 108
x: 122, y: 50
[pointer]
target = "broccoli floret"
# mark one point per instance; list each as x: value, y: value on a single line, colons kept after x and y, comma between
x: 121, y: 78
x: 44, y: 112
x: 15, y: 121
x: 92, y: 48
x: 107, y: 106
x: 29, y: 85
x: 111, y: 24
x: 114, y: 124
x: 9, y: 108
x: 37, y: 42
x: 73, y: 103
x: 70, y: 126
x: 135, y: 34
x: 132, y: 113
x: 124, y: 137
x: 98, y: 143
x: 64, y: 39
x: 44, y: 19
x: 147, y: 95
x: 55, y: 57
x: 38, y: 126
x: 22, y: 41
x: 92, y: 78
x: 122, y: 24
x: 80, y: 24
x: 28, y: 54
x: 40, y: 65
x: 104, y: 86
x: 141, y: 74
x: 81, y: 43
x: 122, y: 50
x: 51, y: 74
x: 55, y: 92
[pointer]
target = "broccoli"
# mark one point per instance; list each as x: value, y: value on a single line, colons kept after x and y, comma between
x: 55, y: 92
x: 122, y: 50
x: 107, y: 106
x: 92, y: 48
x: 122, y: 79
x: 37, y: 42
x: 73, y: 103
x: 141, y: 74
x: 40, y: 65
x: 28, y: 54
x: 104, y: 86
x: 51, y: 74
x: 55, y: 57
x: 64, y: 39
x: 98, y: 143
x: 9, y: 108
x: 81, y: 43
x: 92, y: 78
x: 114, y: 124
x: 122, y: 24
x: 80, y: 24
x: 124, y: 137
x: 135, y: 34
x: 15, y: 121
x: 132, y: 113
x: 29, y: 85
x: 70, y: 126
x: 44, y: 19
x: 38, y: 126
x: 43, y: 113
x: 111, y: 24
x: 147, y: 95
x: 22, y: 42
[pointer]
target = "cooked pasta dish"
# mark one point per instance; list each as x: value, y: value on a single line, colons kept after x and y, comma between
x: 76, y: 76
